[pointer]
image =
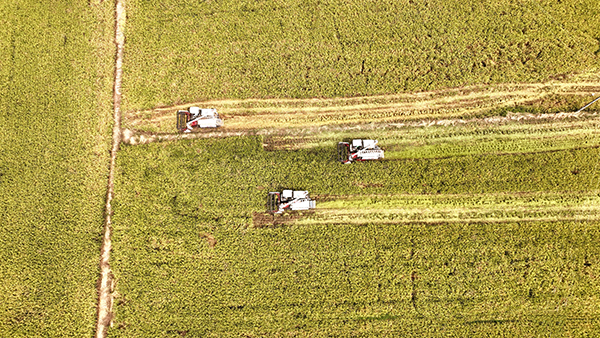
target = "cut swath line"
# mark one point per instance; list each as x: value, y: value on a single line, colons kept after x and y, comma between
x: 311, y: 128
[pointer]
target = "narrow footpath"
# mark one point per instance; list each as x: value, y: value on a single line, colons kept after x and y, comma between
x: 105, y: 282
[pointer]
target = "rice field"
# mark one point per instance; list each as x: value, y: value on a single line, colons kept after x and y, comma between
x: 482, y: 220
x: 483, y: 244
x: 55, y: 119
x: 190, y: 52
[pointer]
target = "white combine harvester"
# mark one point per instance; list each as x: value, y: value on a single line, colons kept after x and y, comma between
x: 277, y: 202
x: 359, y: 150
x: 196, y: 117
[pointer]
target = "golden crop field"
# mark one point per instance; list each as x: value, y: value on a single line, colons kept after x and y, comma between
x: 462, y: 245
x: 481, y: 220
x: 56, y: 64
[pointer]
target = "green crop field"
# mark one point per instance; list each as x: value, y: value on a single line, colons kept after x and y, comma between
x: 482, y: 220
x: 56, y: 63
x: 188, y: 51
x: 194, y: 253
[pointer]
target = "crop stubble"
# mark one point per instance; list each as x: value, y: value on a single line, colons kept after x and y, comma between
x: 460, y: 103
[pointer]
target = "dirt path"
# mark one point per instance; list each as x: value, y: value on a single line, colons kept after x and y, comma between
x: 276, y: 116
x: 105, y: 283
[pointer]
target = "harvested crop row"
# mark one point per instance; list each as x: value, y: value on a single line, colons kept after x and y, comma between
x: 438, y: 208
x: 515, y: 133
x: 249, y: 115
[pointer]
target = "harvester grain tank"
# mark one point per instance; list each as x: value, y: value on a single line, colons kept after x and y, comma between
x: 359, y: 150
x: 195, y: 117
x: 277, y: 202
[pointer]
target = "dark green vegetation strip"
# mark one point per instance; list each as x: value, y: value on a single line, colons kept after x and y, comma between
x: 56, y: 62
x: 188, y: 261
x: 190, y: 51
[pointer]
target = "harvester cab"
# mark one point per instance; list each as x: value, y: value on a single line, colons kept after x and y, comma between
x: 359, y: 150
x: 277, y: 202
x: 196, y: 117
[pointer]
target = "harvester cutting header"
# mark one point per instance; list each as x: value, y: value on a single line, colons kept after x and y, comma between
x: 277, y: 202
x: 359, y: 150
x: 196, y: 117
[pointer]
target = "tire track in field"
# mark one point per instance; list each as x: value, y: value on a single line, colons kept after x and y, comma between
x: 282, y: 116
x: 105, y: 282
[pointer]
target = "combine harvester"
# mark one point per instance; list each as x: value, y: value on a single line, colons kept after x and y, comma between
x: 277, y: 202
x: 196, y: 117
x: 359, y: 150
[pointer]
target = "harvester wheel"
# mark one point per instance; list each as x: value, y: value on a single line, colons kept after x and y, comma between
x: 343, y: 152
x: 182, y: 120
x: 272, y: 203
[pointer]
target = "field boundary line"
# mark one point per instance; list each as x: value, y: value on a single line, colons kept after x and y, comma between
x: 105, y: 282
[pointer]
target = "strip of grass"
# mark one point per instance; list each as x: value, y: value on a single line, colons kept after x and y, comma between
x: 384, y: 280
x: 56, y: 64
x: 185, y: 52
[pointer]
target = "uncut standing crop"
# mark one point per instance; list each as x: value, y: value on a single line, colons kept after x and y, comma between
x: 371, y: 278
x: 55, y: 93
x: 186, y: 52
